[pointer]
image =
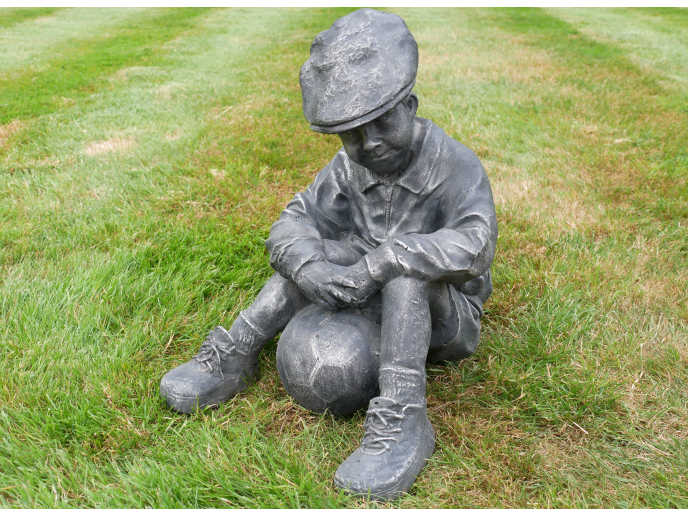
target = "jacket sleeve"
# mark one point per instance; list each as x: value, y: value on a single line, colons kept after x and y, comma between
x: 321, y: 212
x: 462, y: 249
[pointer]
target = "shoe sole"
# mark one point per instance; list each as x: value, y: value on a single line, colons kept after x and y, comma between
x: 188, y: 405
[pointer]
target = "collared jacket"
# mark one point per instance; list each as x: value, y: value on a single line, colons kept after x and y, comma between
x: 436, y: 222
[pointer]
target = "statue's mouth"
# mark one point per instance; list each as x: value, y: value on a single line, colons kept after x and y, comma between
x: 378, y: 157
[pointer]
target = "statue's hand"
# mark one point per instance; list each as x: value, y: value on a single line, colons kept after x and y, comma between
x: 357, y: 283
x: 317, y: 281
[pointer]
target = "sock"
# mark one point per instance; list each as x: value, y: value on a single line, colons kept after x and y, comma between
x: 246, y: 336
x: 402, y: 385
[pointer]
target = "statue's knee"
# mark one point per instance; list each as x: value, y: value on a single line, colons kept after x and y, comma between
x: 405, y: 285
x: 466, y: 340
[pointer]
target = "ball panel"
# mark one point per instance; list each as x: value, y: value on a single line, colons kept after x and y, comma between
x: 329, y: 360
x: 306, y: 397
x: 301, y: 357
x: 329, y: 382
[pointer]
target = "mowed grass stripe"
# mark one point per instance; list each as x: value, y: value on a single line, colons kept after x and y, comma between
x: 10, y: 17
x: 650, y: 42
x: 103, y: 294
x: 237, y: 152
x: 644, y: 195
x: 79, y: 66
x: 98, y: 308
x: 567, y: 271
x: 33, y: 42
x: 630, y: 154
x: 667, y: 15
x: 652, y: 115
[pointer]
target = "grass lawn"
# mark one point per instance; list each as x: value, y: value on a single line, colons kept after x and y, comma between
x: 144, y: 154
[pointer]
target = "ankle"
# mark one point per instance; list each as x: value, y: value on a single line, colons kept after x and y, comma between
x: 403, y: 385
x: 247, y: 337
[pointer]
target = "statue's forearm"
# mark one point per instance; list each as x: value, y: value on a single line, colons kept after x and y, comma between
x: 448, y: 255
x: 292, y: 245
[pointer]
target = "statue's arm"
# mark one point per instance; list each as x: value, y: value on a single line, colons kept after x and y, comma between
x: 461, y: 250
x: 320, y: 212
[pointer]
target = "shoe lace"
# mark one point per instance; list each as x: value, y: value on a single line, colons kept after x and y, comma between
x: 209, y: 355
x: 380, y: 427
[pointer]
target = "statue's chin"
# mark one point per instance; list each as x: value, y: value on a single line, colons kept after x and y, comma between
x: 386, y: 167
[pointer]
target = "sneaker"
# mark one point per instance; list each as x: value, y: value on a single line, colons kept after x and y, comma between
x: 397, y: 443
x: 216, y: 373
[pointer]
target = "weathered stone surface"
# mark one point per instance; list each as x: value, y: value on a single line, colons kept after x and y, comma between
x: 381, y: 264
x: 359, y: 68
x: 330, y: 360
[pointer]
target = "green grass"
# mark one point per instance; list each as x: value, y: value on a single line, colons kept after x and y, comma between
x: 10, y: 17
x: 144, y: 154
x: 81, y: 67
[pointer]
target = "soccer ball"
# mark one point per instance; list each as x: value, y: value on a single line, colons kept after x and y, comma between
x: 329, y: 361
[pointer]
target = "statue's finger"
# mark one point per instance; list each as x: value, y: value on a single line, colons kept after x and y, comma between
x: 360, y: 301
x: 346, y: 282
x: 329, y: 299
x: 341, y: 295
x: 326, y: 304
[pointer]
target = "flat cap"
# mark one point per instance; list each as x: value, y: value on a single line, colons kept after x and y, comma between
x: 362, y: 66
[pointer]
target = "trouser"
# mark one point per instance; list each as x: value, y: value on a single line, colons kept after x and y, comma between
x: 421, y: 321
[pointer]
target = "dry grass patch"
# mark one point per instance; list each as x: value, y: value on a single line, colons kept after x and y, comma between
x: 640, y: 272
x: 504, y: 58
x: 510, y: 185
x: 8, y: 130
x: 111, y: 145
x: 174, y: 136
x: 130, y: 72
x: 169, y: 91
x: 288, y: 418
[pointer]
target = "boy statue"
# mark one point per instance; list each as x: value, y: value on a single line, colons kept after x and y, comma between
x: 399, y: 226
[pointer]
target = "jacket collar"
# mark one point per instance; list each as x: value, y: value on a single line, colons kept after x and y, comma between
x: 417, y: 174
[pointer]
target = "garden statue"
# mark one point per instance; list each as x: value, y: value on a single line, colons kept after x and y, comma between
x: 382, y: 264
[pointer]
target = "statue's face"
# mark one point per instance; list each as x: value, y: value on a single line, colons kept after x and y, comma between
x: 383, y: 145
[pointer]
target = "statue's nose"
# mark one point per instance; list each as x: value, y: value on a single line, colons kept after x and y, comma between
x: 371, y: 139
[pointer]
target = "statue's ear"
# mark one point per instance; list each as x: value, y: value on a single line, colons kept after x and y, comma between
x: 411, y: 103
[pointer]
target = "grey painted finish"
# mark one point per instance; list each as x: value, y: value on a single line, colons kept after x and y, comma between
x: 330, y: 360
x: 376, y: 469
x: 382, y: 264
x: 437, y: 221
x: 359, y: 68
